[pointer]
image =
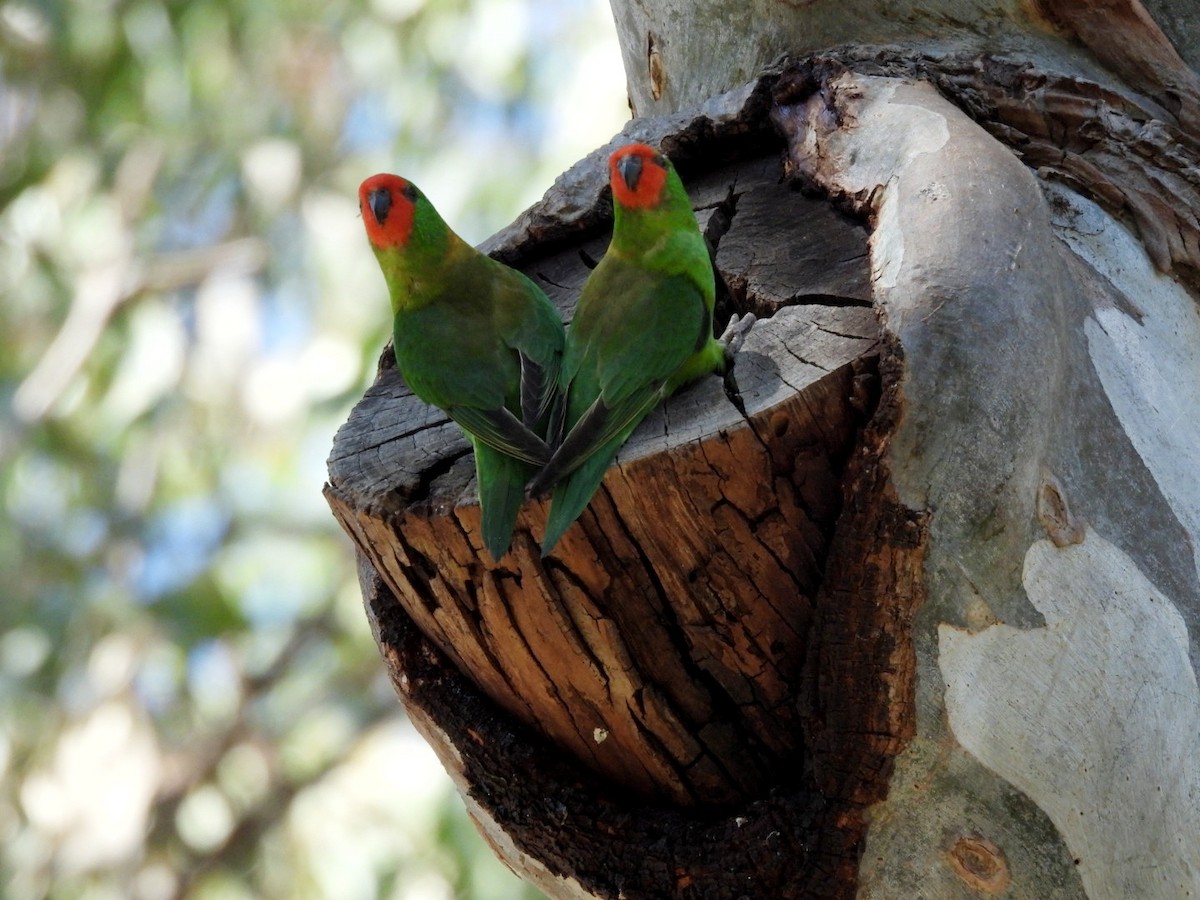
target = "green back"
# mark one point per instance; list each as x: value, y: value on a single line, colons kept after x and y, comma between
x: 647, y: 308
x: 643, y: 327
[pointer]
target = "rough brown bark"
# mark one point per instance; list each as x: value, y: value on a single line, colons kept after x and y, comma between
x: 572, y: 834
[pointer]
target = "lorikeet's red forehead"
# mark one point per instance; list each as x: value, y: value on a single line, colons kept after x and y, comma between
x: 637, y: 174
x: 387, y: 204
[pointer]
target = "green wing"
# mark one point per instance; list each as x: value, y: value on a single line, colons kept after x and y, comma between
x: 536, y: 333
x: 500, y: 430
x: 465, y: 355
x: 633, y: 331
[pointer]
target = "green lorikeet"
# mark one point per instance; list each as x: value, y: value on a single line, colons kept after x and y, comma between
x: 642, y: 328
x: 473, y: 337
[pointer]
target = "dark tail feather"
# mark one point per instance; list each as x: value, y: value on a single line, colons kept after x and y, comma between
x: 533, y: 392
x: 574, y: 450
x: 556, y: 423
x: 572, y: 494
x: 501, y: 491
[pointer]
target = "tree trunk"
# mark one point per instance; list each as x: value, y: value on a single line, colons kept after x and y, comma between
x: 902, y: 608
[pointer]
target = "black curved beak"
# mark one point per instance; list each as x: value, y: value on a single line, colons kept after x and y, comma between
x: 380, y: 201
x: 630, y: 170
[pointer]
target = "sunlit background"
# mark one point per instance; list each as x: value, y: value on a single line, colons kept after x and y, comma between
x: 190, y: 702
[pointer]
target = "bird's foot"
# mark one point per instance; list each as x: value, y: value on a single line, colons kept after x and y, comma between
x: 735, y: 333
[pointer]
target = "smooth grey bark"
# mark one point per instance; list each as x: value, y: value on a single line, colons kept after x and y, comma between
x: 677, y: 53
x: 1046, y: 628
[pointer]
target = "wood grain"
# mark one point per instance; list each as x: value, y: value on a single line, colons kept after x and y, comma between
x: 663, y: 642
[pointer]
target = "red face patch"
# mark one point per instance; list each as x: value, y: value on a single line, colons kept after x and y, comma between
x: 387, y: 203
x: 637, y: 174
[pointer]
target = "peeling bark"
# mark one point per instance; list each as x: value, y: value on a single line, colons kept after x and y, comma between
x: 998, y: 312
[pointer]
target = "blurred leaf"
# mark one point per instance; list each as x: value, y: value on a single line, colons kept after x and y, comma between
x: 199, y: 613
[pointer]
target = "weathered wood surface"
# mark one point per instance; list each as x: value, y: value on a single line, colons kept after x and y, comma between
x: 663, y: 642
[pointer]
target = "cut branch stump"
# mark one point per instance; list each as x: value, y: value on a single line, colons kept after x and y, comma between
x: 663, y: 642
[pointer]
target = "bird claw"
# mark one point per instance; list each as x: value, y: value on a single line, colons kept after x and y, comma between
x: 735, y: 332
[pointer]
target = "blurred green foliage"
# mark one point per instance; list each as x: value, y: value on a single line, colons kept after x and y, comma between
x: 190, y: 701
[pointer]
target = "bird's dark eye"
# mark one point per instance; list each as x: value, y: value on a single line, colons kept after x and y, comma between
x: 411, y: 193
x: 380, y: 201
x: 630, y: 170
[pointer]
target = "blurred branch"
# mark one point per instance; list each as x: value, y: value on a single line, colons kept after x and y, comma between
x: 200, y: 765
x: 102, y: 289
x: 97, y: 295
x: 246, y: 836
x: 171, y: 271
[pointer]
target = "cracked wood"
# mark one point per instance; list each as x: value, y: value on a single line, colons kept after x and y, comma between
x: 663, y: 642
